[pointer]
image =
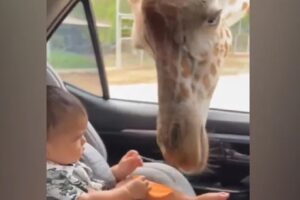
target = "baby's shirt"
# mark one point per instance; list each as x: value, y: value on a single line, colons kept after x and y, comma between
x: 68, y: 182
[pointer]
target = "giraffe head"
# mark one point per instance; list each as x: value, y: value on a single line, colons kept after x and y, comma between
x: 188, y: 42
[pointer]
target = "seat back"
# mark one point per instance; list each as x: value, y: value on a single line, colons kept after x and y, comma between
x: 95, y: 157
x: 95, y: 154
x: 92, y: 136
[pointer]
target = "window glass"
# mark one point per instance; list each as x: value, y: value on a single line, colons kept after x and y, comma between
x: 70, y: 52
x: 131, y: 73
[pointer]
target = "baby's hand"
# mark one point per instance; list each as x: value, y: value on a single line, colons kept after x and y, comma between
x: 128, y: 163
x: 138, y: 187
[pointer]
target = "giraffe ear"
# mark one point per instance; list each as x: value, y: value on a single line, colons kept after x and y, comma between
x: 214, y: 18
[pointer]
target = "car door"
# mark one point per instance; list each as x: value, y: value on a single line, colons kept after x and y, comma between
x: 118, y: 87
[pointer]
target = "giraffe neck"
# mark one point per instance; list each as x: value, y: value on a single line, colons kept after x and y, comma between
x: 191, y: 78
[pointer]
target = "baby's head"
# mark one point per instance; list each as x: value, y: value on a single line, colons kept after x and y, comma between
x: 66, y: 125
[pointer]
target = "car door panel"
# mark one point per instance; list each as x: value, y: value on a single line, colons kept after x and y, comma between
x: 125, y: 125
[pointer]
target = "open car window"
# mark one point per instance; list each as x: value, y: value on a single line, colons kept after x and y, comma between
x: 71, y: 53
x: 131, y: 73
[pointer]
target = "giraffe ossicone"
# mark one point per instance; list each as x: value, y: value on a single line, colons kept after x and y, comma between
x: 188, y: 40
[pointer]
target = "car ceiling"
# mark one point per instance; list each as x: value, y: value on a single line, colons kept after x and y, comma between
x: 54, y: 12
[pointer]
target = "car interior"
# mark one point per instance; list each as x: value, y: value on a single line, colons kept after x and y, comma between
x: 116, y: 126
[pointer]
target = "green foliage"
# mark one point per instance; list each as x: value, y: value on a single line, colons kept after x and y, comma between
x: 78, y: 12
x: 58, y: 41
x: 68, y: 60
x: 246, y: 22
x: 105, y: 11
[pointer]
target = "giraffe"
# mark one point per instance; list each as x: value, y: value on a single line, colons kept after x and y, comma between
x: 188, y: 40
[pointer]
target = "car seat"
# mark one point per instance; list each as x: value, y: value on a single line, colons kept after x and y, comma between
x: 95, y: 156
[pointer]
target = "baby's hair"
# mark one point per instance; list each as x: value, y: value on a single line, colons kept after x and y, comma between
x: 60, y: 103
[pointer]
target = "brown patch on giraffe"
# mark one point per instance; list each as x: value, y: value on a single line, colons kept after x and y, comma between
x: 221, y: 48
x: 196, y: 77
x: 184, y: 93
x: 170, y: 83
x: 213, y: 69
x: 211, y: 91
x: 219, y: 62
x: 186, y: 69
x: 216, y: 49
x: 204, y: 55
x: 206, y: 81
x: 193, y: 88
x: 173, y: 71
x: 226, y: 49
x: 203, y: 62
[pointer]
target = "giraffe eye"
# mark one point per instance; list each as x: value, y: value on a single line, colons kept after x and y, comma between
x: 214, y: 18
x: 211, y: 21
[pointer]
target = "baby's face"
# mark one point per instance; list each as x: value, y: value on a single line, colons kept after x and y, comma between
x: 66, y: 142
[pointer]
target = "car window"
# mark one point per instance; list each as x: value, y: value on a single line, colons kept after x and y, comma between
x: 131, y: 73
x: 70, y: 52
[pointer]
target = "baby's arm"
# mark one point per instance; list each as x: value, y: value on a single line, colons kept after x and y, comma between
x: 117, y: 193
x: 128, y: 163
x: 132, y: 190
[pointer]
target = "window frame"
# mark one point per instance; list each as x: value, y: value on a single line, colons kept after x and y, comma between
x: 88, y: 11
x: 96, y: 43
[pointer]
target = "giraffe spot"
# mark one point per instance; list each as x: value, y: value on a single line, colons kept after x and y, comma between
x: 216, y: 49
x: 173, y: 71
x: 221, y: 48
x: 245, y: 6
x: 193, y: 88
x: 213, y: 69
x: 204, y: 55
x: 203, y: 62
x: 225, y: 49
x: 186, y: 69
x: 200, y: 94
x: 219, y: 62
x: 170, y: 84
x: 175, y: 132
x: 206, y: 81
x: 211, y: 91
x: 197, y: 77
x: 184, y: 93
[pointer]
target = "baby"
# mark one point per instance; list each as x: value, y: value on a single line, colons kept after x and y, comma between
x: 68, y: 178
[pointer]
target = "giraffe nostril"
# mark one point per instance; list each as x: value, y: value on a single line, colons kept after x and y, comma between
x: 175, y: 135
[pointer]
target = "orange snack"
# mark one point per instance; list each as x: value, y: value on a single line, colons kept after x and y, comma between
x: 159, y: 191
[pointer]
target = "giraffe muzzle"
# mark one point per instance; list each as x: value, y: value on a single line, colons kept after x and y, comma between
x: 184, y: 144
